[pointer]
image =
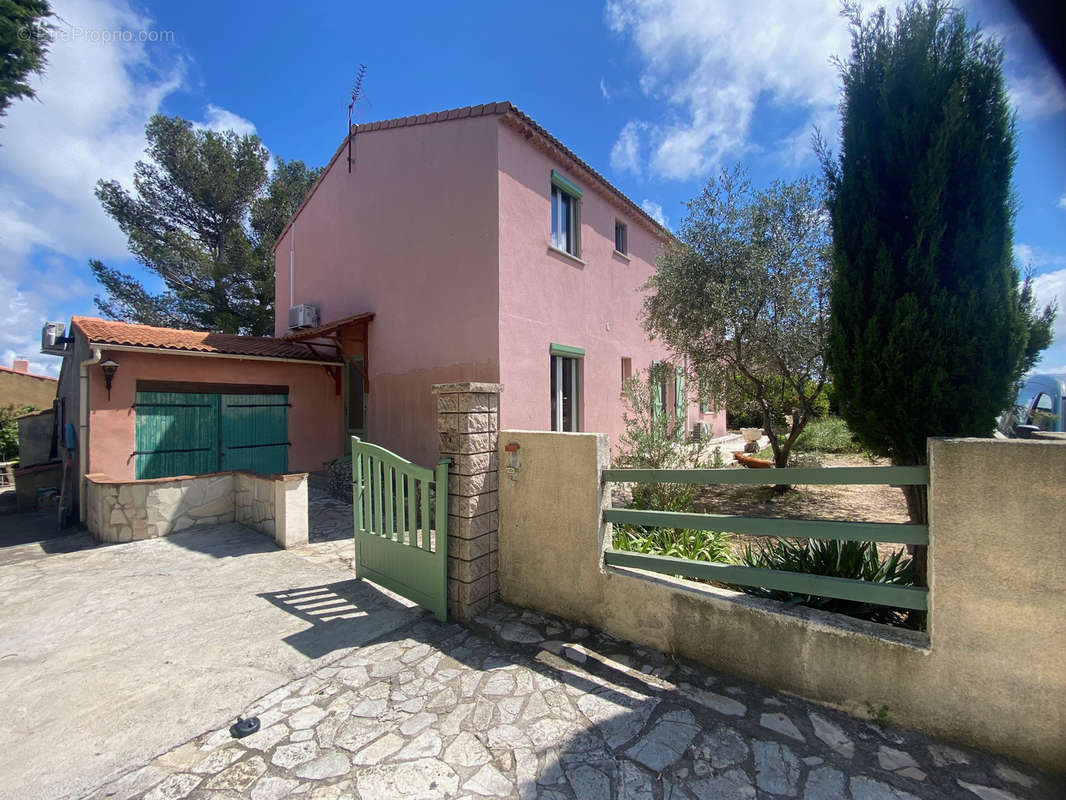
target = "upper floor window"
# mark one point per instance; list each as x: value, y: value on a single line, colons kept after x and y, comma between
x: 621, y: 238
x: 566, y: 216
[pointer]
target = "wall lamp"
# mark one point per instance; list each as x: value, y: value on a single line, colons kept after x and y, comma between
x: 110, y: 368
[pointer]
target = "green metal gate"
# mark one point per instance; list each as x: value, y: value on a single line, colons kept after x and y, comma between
x: 401, y: 532
x: 184, y: 433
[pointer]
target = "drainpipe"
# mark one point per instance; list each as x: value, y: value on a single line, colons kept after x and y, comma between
x: 292, y: 263
x: 83, y: 428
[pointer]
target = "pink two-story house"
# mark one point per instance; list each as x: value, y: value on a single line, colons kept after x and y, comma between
x: 486, y: 251
x: 466, y: 245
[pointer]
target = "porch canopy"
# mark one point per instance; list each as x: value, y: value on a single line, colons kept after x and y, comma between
x: 346, y: 339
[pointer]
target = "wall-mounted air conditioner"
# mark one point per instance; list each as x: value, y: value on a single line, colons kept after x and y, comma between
x: 302, y: 316
x: 53, y: 342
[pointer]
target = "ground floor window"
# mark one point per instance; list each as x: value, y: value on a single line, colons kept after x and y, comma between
x: 565, y: 382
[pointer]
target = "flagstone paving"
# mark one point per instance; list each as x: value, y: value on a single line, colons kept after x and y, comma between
x: 523, y: 705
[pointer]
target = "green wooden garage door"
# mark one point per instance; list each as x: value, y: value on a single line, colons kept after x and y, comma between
x: 255, y: 430
x: 180, y: 433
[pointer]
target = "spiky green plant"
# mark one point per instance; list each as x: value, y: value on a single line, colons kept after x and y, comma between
x: 855, y: 560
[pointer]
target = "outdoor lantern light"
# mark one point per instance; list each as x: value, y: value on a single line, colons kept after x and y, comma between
x: 110, y: 368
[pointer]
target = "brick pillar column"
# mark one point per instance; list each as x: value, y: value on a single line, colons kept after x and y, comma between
x: 468, y: 419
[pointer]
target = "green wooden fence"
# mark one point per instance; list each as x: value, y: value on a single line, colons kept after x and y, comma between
x: 401, y: 525
x: 911, y: 597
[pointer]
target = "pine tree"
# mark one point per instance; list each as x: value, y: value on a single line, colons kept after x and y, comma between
x: 929, y: 330
x: 24, y: 36
x: 204, y: 219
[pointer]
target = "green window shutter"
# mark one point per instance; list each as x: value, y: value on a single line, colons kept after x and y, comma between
x: 568, y: 187
x: 656, y: 390
x: 567, y: 350
x: 679, y: 391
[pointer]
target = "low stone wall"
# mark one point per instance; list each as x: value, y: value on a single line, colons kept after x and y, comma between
x: 990, y: 673
x: 125, y: 511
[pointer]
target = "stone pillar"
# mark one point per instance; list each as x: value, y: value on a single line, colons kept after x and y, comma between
x: 290, y: 510
x: 468, y: 420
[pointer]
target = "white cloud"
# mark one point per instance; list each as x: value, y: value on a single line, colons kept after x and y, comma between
x: 87, y: 123
x: 603, y: 90
x: 655, y: 211
x: 1062, y: 202
x: 220, y: 119
x: 1036, y: 90
x: 625, y: 154
x: 713, y: 65
x: 1051, y: 287
x: 1036, y: 257
x: 20, y: 335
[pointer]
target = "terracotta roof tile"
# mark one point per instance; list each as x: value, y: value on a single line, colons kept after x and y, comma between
x: 122, y: 333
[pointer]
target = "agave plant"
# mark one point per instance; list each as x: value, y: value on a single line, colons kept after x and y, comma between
x: 856, y: 560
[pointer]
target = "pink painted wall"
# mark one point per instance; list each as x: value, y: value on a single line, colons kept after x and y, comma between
x: 546, y: 297
x: 315, y: 419
x: 411, y: 235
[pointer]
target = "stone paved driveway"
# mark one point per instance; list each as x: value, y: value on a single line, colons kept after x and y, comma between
x: 521, y: 705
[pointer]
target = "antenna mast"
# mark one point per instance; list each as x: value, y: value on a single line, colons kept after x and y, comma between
x: 357, y: 91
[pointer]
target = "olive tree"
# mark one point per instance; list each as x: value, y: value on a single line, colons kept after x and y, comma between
x: 742, y: 294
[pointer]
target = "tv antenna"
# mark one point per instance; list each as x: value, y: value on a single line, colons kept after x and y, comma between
x: 357, y: 93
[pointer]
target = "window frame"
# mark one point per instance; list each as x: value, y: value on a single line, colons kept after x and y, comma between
x: 566, y: 240
x: 623, y: 228
x: 562, y: 358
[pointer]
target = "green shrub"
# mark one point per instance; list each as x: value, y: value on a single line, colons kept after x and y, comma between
x: 829, y: 435
x: 9, y: 430
x: 677, y: 542
x: 649, y: 442
x: 856, y: 560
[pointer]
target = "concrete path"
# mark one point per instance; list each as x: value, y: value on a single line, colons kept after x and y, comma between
x: 522, y: 705
x: 110, y: 655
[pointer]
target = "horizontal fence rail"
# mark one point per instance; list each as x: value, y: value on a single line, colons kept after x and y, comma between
x: 800, y: 583
x: 824, y: 476
x: 888, y: 532
x: 884, y: 594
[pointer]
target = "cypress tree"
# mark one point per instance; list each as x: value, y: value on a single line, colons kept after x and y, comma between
x: 928, y: 330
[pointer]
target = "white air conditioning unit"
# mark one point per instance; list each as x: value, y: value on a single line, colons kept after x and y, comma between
x: 53, y: 342
x: 302, y: 316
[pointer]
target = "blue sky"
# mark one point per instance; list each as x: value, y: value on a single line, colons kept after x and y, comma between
x: 656, y: 94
